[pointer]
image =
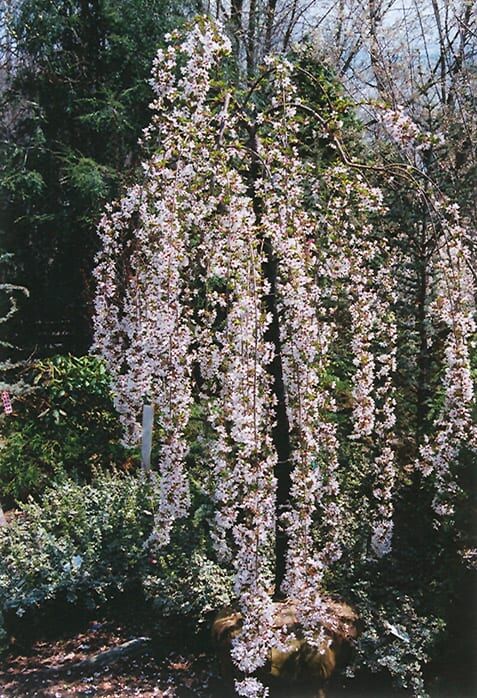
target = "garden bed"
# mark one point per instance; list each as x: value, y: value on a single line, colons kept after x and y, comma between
x: 57, y: 668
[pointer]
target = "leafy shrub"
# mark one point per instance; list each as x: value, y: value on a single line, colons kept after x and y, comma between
x: 84, y: 544
x: 67, y: 424
x: 397, y: 639
x: 402, y: 616
x: 28, y: 461
x: 185, y: 582
x: 78, y: 541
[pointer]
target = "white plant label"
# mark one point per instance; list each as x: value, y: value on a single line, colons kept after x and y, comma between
x: 147, y: 428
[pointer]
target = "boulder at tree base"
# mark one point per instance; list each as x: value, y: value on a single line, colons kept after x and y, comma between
x: 302, y: 665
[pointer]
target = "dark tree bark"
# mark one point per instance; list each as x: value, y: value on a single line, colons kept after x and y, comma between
x: 281, y: 431
x: 251, y: 38
x: 423, y: 368
x: 271, y: 7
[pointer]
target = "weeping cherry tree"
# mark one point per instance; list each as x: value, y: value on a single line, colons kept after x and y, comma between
x: 219, y: 281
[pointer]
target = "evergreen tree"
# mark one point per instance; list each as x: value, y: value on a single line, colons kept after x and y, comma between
x: 74, y: 100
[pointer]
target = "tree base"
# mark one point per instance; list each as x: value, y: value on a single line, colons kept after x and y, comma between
x: 309, y: 666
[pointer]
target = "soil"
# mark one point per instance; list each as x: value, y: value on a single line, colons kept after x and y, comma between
x: 50, y: 667
x: 47, y: 669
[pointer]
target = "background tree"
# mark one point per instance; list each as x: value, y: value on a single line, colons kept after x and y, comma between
x: 74, y: 100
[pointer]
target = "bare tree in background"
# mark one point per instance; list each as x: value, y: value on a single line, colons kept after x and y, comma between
x: 7, y: 41
x: 414, y: 53
x: 260, y: 27
x: 418, y: 55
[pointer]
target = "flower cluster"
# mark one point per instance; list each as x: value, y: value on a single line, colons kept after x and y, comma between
x: 399, y: 125
x: 305, y: 340
x: 240, y: 409
x: 143, y: 321
x: 406, y: 133
x: 251, y: 688
x: 454, y: 309
x: 361, y: 262
x: 385, y: 416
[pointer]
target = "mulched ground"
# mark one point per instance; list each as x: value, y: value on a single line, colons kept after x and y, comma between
x: 147, y: 675
x: 48, y: 668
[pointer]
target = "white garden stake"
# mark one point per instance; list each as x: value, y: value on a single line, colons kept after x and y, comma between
x: 146, y: 444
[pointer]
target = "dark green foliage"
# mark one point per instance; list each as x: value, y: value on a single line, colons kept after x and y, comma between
x: 184, y: 580
x: 334, y: 113
x: 66, y: 424
x: 75, y: 102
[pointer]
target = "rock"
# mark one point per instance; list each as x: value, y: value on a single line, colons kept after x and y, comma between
x: 301, y: 663
x: 106, y: 657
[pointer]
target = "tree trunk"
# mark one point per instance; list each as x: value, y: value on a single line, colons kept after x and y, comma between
x: 422, y: 357
x: 281, y: 431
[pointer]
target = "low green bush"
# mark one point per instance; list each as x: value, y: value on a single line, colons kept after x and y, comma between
x: 85, y: 544
x: 186, y: 587
x: 77, y: 541
x: 398, y: 639
x: 66, y: 424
